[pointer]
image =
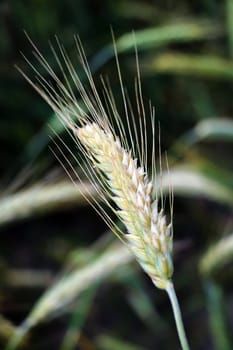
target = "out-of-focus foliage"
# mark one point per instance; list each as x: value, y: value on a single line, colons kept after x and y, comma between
x: 186, y: 56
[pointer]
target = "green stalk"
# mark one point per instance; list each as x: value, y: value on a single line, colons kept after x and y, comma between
x: 177, y: 315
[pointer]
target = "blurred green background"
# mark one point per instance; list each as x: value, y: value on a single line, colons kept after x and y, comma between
x: 51, y: 238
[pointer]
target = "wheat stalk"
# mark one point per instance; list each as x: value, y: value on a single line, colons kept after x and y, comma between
x: 117, y: 168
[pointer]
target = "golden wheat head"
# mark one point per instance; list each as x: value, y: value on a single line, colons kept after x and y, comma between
x: 115, y: 163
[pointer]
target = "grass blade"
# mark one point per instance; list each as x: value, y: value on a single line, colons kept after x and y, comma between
x: 205, y: 66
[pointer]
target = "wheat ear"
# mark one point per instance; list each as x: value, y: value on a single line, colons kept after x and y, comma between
x: 116, y: 167
x: 148, y: 237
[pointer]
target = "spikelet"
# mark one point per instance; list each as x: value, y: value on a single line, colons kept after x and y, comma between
x: 111, y: 163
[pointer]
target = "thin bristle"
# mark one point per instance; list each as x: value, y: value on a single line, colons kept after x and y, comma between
x: 114, y: 155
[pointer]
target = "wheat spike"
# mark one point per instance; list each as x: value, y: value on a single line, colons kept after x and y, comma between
x: 149, y: 237
x: 115, y: 162
x: 120, y: 176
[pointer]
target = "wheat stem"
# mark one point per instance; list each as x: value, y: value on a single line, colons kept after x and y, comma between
x: 177, y: 315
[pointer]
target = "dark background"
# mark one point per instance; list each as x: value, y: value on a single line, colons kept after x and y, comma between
x: 187, y: 74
